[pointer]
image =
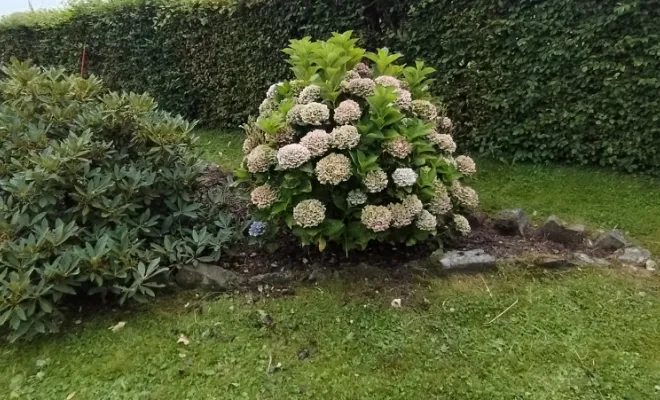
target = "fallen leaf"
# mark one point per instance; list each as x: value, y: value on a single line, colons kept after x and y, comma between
x: 117, y: 327
x: 70, y: 396
x: 183, y: 339
x: 396, y: 303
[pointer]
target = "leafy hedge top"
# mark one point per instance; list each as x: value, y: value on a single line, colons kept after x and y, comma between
x: 350, y: 153
x: 557, y: 80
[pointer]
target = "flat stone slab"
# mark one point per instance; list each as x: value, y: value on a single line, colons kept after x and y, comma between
x: 585, y: 259
x: 633, y: 256
x: 207, y: 276
x: 469, y: 261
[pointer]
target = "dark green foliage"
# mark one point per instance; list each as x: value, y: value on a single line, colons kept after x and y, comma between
x: 96, y: 196
x: 544, y: 81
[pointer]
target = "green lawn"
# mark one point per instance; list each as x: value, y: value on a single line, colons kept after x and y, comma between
x: 517, y: 334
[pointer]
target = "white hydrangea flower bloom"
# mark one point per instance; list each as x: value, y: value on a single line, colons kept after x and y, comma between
x: 309, y: 213
x: 443, y: 141
x: 426, y: 221
x: 462, y: 225
x: 375, y: 181
x: 333, y: 169
x: 404, y: 101
x: 424, y: 109
x: 386, y: 80
x: 413, y: 204
x: 466, y: 165
x: 292, y: 156
x: 293, y: 116
x: 266, y: 107
x: 347, y: 111
x: 440, y: 203
x: 363, y: 70
x: 404, y: 177
x: 465, y: 196
x: 272, y: 90
x: 263, y: 196
x: 400, y: 215
x: 260, y: 159
x: 316, y: 141
x: 344, y: 137
x: 309, y: 94
x: 376, y: 218
x: 398, y: 147
x: 362, y: 87
x: 314, y: 114
x: 356, y: 197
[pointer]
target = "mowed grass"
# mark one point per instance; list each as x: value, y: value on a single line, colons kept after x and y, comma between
x: 517, y: 334
x: 589, y: 334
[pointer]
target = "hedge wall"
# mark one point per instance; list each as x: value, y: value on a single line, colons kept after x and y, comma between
x: 535, y: 80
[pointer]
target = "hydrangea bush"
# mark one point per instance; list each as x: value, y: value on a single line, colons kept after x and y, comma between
x: 354, y: 149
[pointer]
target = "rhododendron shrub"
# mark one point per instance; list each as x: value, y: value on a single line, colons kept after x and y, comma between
x: 354, y: 149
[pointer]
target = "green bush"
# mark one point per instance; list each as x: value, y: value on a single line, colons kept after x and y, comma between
x: 97, y: 196
x: 543, y: 81
x: 349, y: 153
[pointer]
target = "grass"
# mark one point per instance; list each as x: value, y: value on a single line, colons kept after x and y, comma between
x: 581, y: 334
x: 589, y: 334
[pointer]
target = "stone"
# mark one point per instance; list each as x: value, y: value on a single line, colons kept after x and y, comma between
x: 584, y: 259
x: 554, y: 229
x: 468, y: 261
x: 552, y: 262
x: 207, y: 276
x: 511, y: 222
x: 633, y: 256
x: 435, y: 259
x: 611, y: 241
x: 271, y: 278
x: 317, y: 274
x: 650, y: 265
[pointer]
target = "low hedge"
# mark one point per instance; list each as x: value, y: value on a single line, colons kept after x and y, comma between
x: 544, y: 81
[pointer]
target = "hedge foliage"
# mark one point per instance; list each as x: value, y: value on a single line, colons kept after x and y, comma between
x: 545, y: 81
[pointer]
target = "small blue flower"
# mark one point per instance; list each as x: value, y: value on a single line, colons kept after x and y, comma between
x: 257, y: 228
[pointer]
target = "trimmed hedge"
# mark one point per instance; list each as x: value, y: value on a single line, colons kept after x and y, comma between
x: 544, y: 81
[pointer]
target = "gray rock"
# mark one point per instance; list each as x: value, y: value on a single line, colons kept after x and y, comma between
x: 633, y: 256
x: 556, y: 230
x: 650, y: 265
x: 272, y: 278
x: 511, y: 222
x: 206, y: 276
x: 435, y: 259
x: 611, y: 241
x: 468, y: 261
x: 584, y: 259
x: 553, y: 262
x: 317, y: 274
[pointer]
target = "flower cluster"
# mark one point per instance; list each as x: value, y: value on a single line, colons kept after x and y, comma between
x: 443, y: 141
x: 404, y: 99
x: 261, y: 158
x: 426, y: 221
x: 440, y: 203
x: 347, y: 111
x: 424, y: 109
x: 292, y: 156
x: 413, y: 204
x: 272, y: 90
x: 400, y: 216
x: 376, y: 218
x: 267, y: 106
x: 461, y: 225
x: 317, y: 142
x: 464, y: 196
x: 404, y: 177
x: 375, y: 181
x: 386, y: 80
x: 356, y: 197
x: 466, y: 165
x: 363, y: 70
x: 257, y: 228
x: 399, y: 147
x: 344, y: 137
x: 361, y: 87
x: 309, y: 94
x: 293, y: 116
x: 314, y: 114
x: 333, y: 169
x: 263, y: 196
x: 445, y: 124
x: 309, y: 213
